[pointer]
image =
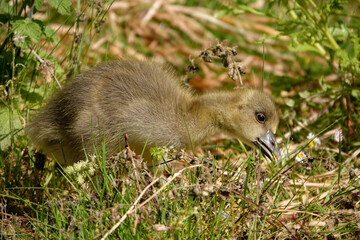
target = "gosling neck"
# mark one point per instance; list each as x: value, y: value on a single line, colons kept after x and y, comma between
x: 208, y: 113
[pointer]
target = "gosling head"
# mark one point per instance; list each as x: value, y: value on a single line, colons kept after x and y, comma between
x: 251, y: 116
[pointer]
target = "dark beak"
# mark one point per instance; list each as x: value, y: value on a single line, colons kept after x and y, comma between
x: 269, y: 146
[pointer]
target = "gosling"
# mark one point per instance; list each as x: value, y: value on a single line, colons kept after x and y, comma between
x: 147, y: 102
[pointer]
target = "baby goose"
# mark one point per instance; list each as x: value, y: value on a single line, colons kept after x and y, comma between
x: 146, y: 102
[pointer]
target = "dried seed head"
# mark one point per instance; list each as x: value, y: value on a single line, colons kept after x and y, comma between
x: 226, y: 54
x: 205, y: 55
x: 235, y: 69
x: 47, y: 69
x: 192, y: 67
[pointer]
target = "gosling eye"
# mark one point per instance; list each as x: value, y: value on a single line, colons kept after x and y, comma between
x: 260, y: 117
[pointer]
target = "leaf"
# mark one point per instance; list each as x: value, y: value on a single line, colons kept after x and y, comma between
x: 51, y: 35
x: 304, y: 94
x: 340, y: 34
x: 355, y: 93
x: 26, y: 28
x: 323, y: 84
x: 298, y: 47
x: 31, y: 96
x: 290, y: 103
x: 343, y: 57
x: 38, y: 4
x: 5, y: 133
x: 5, y: 8
x: 356, y: 42
x: 62, y: 6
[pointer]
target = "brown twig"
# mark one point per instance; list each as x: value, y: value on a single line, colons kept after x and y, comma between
x: 133, y: 208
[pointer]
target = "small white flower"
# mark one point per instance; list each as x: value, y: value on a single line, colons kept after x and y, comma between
x: 19, y: 39
x: 80, y: 179
x: 317, y: 141
x: 300, y: 157
x: 78, y: 166
x: 338, y: 136
x: 91, y: 171
x: 310, y: 136
x: 69, y: 170
x: 313, y: 139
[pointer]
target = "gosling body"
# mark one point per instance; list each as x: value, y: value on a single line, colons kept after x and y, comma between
x: 145, y: 101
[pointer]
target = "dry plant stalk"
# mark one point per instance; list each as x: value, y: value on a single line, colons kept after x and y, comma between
x: 134, y: 206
